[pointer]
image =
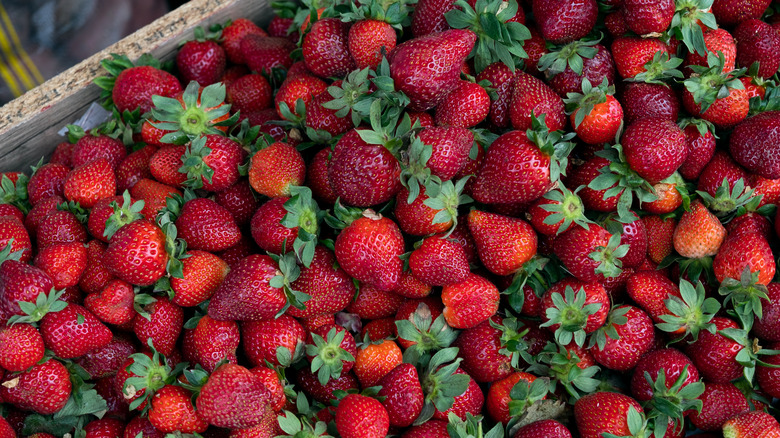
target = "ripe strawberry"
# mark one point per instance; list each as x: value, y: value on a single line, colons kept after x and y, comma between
x: 105, y: 362
x: 14, y: 236
x: 632, y: 53
x: 329, y: 287
x: 246, y: 294
x: 358, y: 416
x: 543, y: 429
x: 132, y: 87
x: 61, y: 226
x: 481, y: 347
x: 438, y: 261
x: 739, y: 252
x: 590, y: 254
x: 142, y: 425
x: 504, y: 244
x: 90, y: 182
x: 303, y: 87
x: 715, y: 96
x: 649, y: 289
x: 136, y: 253
x: 758, y: 42
x: 201, y: 60
x: 596, y: 116
x: 43, y: 388
x: 701, y: 147
x: 749, y: 424
x: 426, y: 68
x: 325, y: 48
x: 233, y: 397
x: 374, y: 361
x: 273, y: 170
x: 766, y: 327
x: 154, y: 195
x: 606, y: 412
x: 104, y: 427
x: 374, y: 303
x: 249, y: 93
x: 450, y: 149
x: 673, y: 364
x: 720, y: 401
x: 469, y: 302
x: 212, y: 342
x: 654, y: 148
x: 262, y: 339
x: 634, y: 329
x: 571, y: 309
x: 162, y: 327
x: 563, y: 21
x: 429, y: 17
x: 564, y: 72
x: 48, y: 180
x: 205, y: 225
x: 643, y: 17
x: 750, y: 144
x: 63, y: 262
x: 729, y: 12
x: 331, y: 350
x: 165, y: 164
x: 378, y: 266
x: 642, y: 100
x: 95, y: 276
x: 500, y: 403
x: 212, y: 163
x: 311, y: 386
x: 90, y: 147
x: 699, y: 233
x: 660, y: 234
x: 232, y: 35
x: 404, y: 395
x: 171, y: 410
x: 113, y: 304
x: 501, y: 79
x: 202, y: 273
x: 721, y: 167
x: 366, y: 40
x: 532, y: 96
x: 767, y: 376
x: 263, y: 53
x: 714, y: 354
x: 21, y: 346
x: 469, y: 402
x: 464, y: 107
x: 239, y: 200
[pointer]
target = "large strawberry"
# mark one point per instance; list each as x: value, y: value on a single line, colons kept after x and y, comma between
x: 532, y: 97
x: 562, y: 21
x: 608, y: 412
x: 753, y: 144
x: 325, y: 48
x: 654, y: 148
x: 427, y: 68
x: 43, y: 388
x: 504, y: 244
x: 130, y: 87
x: 246, y: 294
x: 233, y: 397
x: 136, y: 253
x: 358, y: 416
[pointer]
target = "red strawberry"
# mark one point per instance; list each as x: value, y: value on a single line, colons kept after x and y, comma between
x: 606, y: 412
x: 470, y: 402
x: 589, y: 254
x: 263, y: 53
x: 134, y: 87
x: 90, y: 182
x: 438, y: 261
x: 572, y: 308
x: 165, y: 164
x: 303, y: 87
x: 214, y: 341
x: 599, y: 123
x: 21, y: 346
x: 649, y: 289
x: 63, y: 262
x: 329, y: 287
x: 379, y: 266
x: 90, y: 147
x: 136, y: 253
x: 106, y: 361
x: 61, y: 226
x: 720, y: 401
x: 249, y: 93
x: 274, y: 169
x: 767, y: 327
x: 95, y: 276
x: 714, y: 354
x: 642, y: 100
x: 635, y: 337
x: 47, y: 181
x: 207, y: 226
x: 202, y: 273
x: 245, y: 294
x: 646, y: 17
x: 741, y: 251
x: 239, y: 200
x: 14, y: 236
x: 325, y: 48
x: 367, y: 39
x: 532, y: 96
x: 481, y: 347
x: 563, y: 21
x: 715, y: 96
x: 104, y: 428
x: 730, y: 12
x: 751, y: 144
x: 632, y: 53
x: 73, y: 331
x: 404, y: 395
x: 701, y: 147
x: 429, y: 429
x: 464, y: 107
x: 233, y: 397
x: 501, y: 79
x: 750, y: 424
x: 171, y: 410
x: 672, y: 363
x: 427, y: 68
x: 654, y: 148
x: 358, y: 416
x: 43, y: 388
x: 504, y: 244
x: 232, y: 35
x: 113, y: 304
x: 429, y: 17
x: 262, y: 339
x: 162, y: 327
x: 758, y: 42
x: 212, y: 164
x: 469, y: 302
x: 543, y: 429
x: 201, y: 60
x: 154, y: 195
x: 374, y: 303
x: 450, y: 149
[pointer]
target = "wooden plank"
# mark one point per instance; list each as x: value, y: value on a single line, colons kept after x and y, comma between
x: 29, y: 124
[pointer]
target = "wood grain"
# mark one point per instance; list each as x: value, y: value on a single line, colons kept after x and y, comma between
x: 29, y: 124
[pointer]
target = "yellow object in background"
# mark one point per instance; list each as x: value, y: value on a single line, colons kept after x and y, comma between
x: 16, y: 68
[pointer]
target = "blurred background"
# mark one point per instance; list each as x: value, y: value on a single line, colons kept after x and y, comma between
x: 41, y: 38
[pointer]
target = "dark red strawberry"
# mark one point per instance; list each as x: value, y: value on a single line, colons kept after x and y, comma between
x: 562, y: 21
x: 263, y: 53
x: 325, y: 48
x: 532, y: 96
x: 245, y: 294
x: 366, y: 40
x: 750, y: 144
x: 648, y: 17
x: 207, y: 226
x: 233, y: 33
x: 428, y: 17
x: 404, y: 395
x: 201, y: 60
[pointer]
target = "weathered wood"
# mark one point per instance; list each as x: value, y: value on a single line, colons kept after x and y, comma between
x: 29, y: 124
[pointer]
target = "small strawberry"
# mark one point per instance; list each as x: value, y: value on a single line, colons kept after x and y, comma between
x: 63, y: 262
x: 543, y: 429
x: 715, y: 96
x: 608, y: 413
x: 366, y: 40
x: 201, y: 60
x: 137, y: 253
x: 274, y: 169
x: 130, y: 87
x: 644, y: 17
x: 758, y: 42
x: 438, y: 261
x: 263, y: 53
x: 626, y: 336
x: 375, y: 360
x: 330, y: 288
x: 572, y: 309
x: 729, y: 12
x: 429, y: 17
x: 160, y: 323
x: 374, y: 303
x: 750, y: 144
x: 325, y: 48
x: 171, y: 410
x: 21, y: 346
x: 113, y: 304
x: 642, y: 100
x: 469, y: 302
x: 532, y: 97
x: 595, y: 114
x: 213, y: 342
x: 749, y: 251
x: 249, y: 93
x: 46, y: 181
x: 90, y: 182
x: 232, y: 34
x: 246, y: 293
x: 464, y: 107
x: 358, y: 416
x: 205, y: 225
x: 154, y: 194
x: 212, y: 162
x: 632, y: 54
x: 264, y: 340
x: 202, y: 273
x: 14, y: 238
x: 504, y: 244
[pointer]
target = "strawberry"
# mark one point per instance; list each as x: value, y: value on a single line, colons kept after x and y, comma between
x: 767, y: 376
x: 113, y: 304
x: 317, y: 177
x: 590, y: 254
x: 438, y: 261
x: 130, y: 87
x: 418, y: 218
x: 504, y: 244
x: 95, y: 276
x: 171, y: 410
x: 43, y: 388
x: 563, y: 21
x: 566, y: 68
x: 202, y: 60
x: 329, y: 287
x: 426, y: 68
x: 650, y: 289
x: 15, y: 238
x: 501, y: 80
x: 232, y: 34
x: 205, y: 225
x: 631, y: 54
x: 62, y: 226
x: 714, y: 354
x: 375, y: 360
x: 750, y: 424
x: 233, y: 397
x: 741, y: 252
x: 404, y: 395
x: 469, y: 302
x: 715, y: 96
x: 358, y: 416
x: 701, y: 147
x: 162, y: 327
x: 765, y: 327
x: 92, y: 146
x: 429, y: 17
x: 720, y: 401
x: 464, y: 107
x: 136, y: 253
x: 214, y: 341
x: 303, y: 87
x: 325, y: 48
x: 374, y: 303
x: 154, y: 194
x: 469, y: 402
x: 310, y: 385
x: 429, y: 429
x: 543, y: 429
x: 142, y: 425
x: 274, y: 169
x: 729, y: 12
x: 646, y: 17
x: 531, y: 96
x: 21, y: 346
x: 721, y: 167
x: 750, y: 144
x: 758, y: 42
x: 164, y: 166
x: 104, y: 427
x: 366, y: 40
x: 246, y: 293
x: 90, y: 182
x: 239, y: 200
x: 249, y: 93
x: 263, y: 53
x: 627, y: 335
x: 654, y: 148
x: 572, y: 309
x: 106, y: 361
x: 202, y: 273
x: 607, y: 412
x: 263, y: 339
x: 380, y: 266
x: 642, y: 100
x: 595, y: 115
x: 331, y: 350
x: 48, y: 180
x: 481, y: 347
x: 63, y: 262
x: 212, y: 162
x: 699, y: 233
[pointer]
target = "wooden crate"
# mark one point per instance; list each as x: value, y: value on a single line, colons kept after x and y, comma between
x: 29, y: 124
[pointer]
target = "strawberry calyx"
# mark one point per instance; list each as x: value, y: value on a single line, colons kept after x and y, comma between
x: 659, y: 70
x: 538, y: 273
x: 199, y: 112
x: 498, y: 37
x: 386, y: 131
x: 76, y: 209
x: 689, y: 315
x: 583, y: 103
x: 295, y: 125
x: 555, y: 144
x: 449, y: 197
x: 415, y: 171
x: 670, y: 404
x: 303, y: 213
x: 702, y: 126
x: 616, y: 317
x: 14, y: 192
x: 570, y: 314
x: 174, y: 246
x: 288, y: 272
x: 708, y: 84
x: 618, y: 179
x: 427, y: 334
x: 149, y: 373
x: 569, y: 55
x: 749, y: 355
x: 524, y: 393
x: 299, y: 427
x: 471, y: 427
x: 194, y: 379
x: 638, y: 426
x: 328, y: 356
x: 513, y: 343
x: 193, y: 164
x: 729, y: 201
x: 609, y: 257
x: 744, y: 296
x: 7, y: 254
x: 200, y: 34
x: 129, y: 212
x: 351, y: 97
x: 44, y: 304
x: 440, y: 383
x: 342, y: 215
x: 689, y: 18
x: 393, y: 13
x: 770, y: 101
x: 563, y: 366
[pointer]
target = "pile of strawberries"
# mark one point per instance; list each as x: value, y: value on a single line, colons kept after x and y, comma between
x: 443, y: 219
